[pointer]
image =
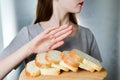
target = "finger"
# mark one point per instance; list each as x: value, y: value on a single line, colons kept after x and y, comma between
x: 63, y: 31
x: 50, y: 29
x: 63, y: 36
x: 38, y: 40
x: 58, y: 29
x: 47, y: 31
x: 58, y: 44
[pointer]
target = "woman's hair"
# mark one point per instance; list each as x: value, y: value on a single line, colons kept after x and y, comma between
x: 44, y: 11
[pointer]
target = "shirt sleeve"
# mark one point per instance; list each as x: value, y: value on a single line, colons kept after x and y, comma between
x: 20, y: 39
x: 93, y: 46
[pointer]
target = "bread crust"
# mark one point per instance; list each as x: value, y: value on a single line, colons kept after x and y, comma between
x: 76, y: 57
x: 84, y: 61
x: 32, y: 74
x: 74, y: 69
x: 61, y: 67
x: 96, y: 67
x: 67, y: 61
x: 83, y: 66
x: 47, y: 65
x: 50, y: 71
x: 41, y: 65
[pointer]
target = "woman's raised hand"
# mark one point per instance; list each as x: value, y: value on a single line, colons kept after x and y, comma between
x: 51, y: 38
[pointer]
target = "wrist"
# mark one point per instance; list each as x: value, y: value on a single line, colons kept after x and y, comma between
x: 29, y: 49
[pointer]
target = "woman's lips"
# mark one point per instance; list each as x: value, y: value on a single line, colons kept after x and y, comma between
x: 81, y: 3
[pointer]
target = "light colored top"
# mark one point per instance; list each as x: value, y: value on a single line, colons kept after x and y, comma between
x: 84, y: 40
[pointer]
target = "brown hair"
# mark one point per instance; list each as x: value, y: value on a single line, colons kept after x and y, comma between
x: 44, y: 11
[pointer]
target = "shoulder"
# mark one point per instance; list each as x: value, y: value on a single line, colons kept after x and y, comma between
x: 34, y: 30
x: 26, y: 31
x: 23, y: 32
x: 84, y: 30
x: 34, y: 27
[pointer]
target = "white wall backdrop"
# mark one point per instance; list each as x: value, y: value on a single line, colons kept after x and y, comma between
x: 8, y: 18
x: 101, y: 16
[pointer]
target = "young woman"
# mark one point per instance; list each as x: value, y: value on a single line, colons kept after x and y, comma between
x: 54, y: 12
x: 36, y: 37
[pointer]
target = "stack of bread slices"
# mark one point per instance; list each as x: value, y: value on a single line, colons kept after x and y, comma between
x: 53, y: 61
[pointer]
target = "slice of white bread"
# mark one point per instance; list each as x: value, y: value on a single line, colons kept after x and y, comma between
x: 74, y: 69
x: 49, y: 71
x: 61, y: 67
x: 68, y: 61
x: 31, y: 70
x: 53, y: 56
x: 86, y: 59
x: 40, y: 60
x: 65, y: 56
x: 86, y: 67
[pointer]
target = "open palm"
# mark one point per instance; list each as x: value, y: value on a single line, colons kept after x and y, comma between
x: 51, y: 38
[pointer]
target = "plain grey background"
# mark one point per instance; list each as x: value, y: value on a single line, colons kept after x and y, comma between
x: 101, y: 16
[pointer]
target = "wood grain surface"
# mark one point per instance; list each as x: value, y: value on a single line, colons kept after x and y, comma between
x: 80, y: 75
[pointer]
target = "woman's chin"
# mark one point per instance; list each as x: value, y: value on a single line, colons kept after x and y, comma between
x: 77, y: 11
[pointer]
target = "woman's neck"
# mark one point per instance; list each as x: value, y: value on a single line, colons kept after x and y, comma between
x: 59, y: 17
x: 54, y: 21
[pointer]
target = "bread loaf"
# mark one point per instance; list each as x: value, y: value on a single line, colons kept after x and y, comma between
x: 51, y: 62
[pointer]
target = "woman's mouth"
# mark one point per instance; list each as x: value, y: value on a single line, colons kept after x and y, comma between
x: 81, y: 3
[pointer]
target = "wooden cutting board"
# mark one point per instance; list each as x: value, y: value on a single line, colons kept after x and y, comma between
x: 80, y: 75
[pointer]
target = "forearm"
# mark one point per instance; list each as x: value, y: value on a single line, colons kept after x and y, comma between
x: 8, y: 63
x: 40, y: 43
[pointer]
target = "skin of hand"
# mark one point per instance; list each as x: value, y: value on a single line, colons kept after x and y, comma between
x: 49, y: 39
